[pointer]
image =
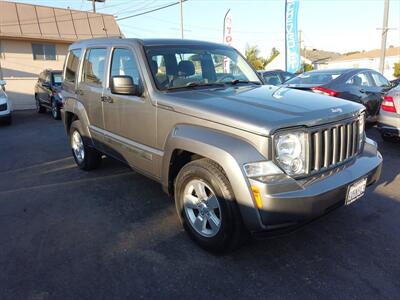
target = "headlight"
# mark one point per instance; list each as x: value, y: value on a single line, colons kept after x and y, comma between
x: 290, y: 152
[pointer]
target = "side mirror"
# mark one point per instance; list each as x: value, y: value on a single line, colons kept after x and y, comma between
x: 124, y: 85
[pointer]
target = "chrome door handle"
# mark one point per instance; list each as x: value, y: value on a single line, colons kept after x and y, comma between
x: 79, y: 92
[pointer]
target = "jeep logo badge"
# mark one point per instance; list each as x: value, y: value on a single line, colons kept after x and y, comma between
x: 336, y: 110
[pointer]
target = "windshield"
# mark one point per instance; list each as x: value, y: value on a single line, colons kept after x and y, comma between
x: 57, y: 78
x: 314, y: 78
x: 192, y: 66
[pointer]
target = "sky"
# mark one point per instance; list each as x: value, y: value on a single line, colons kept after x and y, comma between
x: 331, y: 25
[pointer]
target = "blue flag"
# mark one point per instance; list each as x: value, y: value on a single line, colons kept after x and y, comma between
x: 293, y: 63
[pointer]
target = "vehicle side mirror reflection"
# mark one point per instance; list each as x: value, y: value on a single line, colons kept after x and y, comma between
x: 124, y: 85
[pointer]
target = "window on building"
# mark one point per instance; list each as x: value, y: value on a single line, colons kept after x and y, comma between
x: 44, y: 51
x: 94, y: 66
x: 72, y: 65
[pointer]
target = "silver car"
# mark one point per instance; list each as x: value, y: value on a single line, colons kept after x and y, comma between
x: 389, y: 116
x: 5, y: 106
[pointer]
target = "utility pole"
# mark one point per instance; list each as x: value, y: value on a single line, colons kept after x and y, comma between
x: 181, y: 5
x: 384, y: 36
x: 94, y: 4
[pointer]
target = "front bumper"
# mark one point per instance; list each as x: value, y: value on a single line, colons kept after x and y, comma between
x: 288, y: 202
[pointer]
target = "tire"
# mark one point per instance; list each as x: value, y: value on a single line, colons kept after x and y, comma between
x: 7, y: 120
x: 55, y: 110
x: 87, y: 158
x: 230, y: 232
x: 39, y: 108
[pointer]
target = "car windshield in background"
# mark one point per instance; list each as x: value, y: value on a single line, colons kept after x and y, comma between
x: 57, y: 79
x: 198, y: 66
x: 314, y: 78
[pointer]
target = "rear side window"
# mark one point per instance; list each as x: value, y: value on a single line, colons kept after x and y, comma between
x: 94, y: 66
x: 71, y: 67
x: 380, y: 80
x: 360, y: 79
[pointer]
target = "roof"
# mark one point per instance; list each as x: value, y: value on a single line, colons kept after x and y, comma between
x: 393, y: 51
x: 35, y: 22
x: 147, y: 42
x: 338, y: 70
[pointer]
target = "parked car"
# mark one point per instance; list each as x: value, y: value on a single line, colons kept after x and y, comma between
x: 47, y: 93
x: 5, y: 105
x: 389, y: 117
x: 236, y: 156
x: 363, y: 86
x: 275, y: 77
x: 395, y: 82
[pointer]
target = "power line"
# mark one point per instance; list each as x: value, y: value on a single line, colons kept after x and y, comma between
x: 150, y: 11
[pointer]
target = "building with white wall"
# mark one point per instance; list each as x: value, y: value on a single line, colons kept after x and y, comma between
x: 367, y: 59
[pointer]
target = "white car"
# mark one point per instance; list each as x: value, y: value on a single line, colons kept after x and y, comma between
x: 5, y: 106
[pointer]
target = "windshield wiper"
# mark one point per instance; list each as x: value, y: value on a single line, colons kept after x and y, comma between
x: 194, y: 84
x: 236, y: 81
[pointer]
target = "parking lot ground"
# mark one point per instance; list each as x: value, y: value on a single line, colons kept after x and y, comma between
x: 113, y: 234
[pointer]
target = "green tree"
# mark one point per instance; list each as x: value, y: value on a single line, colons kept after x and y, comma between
x: 252, y: 56
x: 305, y: 67
x: 396, y: 70
x: 258, y: 62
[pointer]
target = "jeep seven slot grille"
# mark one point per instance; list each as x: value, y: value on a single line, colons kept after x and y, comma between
x: 333, y: 145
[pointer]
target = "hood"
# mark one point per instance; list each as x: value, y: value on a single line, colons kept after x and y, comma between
x: 260, y: 109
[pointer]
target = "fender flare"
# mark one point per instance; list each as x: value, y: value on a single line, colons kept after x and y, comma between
x: 228, y: 151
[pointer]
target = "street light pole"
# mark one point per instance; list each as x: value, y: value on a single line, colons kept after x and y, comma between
x: 384, y: 36
x: 181, y: 5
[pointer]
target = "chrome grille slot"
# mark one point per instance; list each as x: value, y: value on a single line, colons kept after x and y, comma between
x: 332, y: 145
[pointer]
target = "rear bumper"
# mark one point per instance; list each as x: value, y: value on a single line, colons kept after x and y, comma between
x: 389, y: 123
x: 289, y: 203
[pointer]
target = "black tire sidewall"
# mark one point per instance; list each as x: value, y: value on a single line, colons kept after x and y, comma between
x: 221, y: 240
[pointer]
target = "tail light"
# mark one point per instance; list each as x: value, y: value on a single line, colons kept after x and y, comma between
x: 324, y: 91
x: 388, y: 104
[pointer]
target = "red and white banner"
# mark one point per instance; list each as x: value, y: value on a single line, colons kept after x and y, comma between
x: 228, y: 37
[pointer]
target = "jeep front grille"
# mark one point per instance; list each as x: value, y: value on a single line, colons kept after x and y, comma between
x: 332, y: 145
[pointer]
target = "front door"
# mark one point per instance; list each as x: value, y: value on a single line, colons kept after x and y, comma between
x: 130, y: 120
x: 90, y: 90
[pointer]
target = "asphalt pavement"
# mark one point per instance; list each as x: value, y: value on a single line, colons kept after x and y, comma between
x: 113, y: 234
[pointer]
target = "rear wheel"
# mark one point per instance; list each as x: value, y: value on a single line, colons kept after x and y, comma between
x: 86, y: 157
x: 39, y: 108
x: 207, y: 207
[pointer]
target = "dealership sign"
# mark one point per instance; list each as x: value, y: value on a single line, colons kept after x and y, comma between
x: 228, y: 38
x: 293, y: 63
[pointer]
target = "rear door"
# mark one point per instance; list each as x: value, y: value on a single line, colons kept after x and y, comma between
x: 90, y: 90
x: 130, y: 121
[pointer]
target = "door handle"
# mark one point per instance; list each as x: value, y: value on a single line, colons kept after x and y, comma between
x: 107, y: 99
x: 79, y: 92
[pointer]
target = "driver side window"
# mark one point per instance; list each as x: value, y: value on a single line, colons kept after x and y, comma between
x: 124, y: 63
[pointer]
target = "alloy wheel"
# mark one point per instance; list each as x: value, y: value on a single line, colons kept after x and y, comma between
x: 202, y: 208
x: 77, y: 146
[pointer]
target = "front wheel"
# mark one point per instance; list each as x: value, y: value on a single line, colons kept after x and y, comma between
x: 207, y: 208
x: 55, y: 110
x: 86, y: 157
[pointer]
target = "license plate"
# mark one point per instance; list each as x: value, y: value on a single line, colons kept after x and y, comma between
x: 355, y: 191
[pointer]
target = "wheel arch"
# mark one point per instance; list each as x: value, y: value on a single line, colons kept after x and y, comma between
x: 186, y: 143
